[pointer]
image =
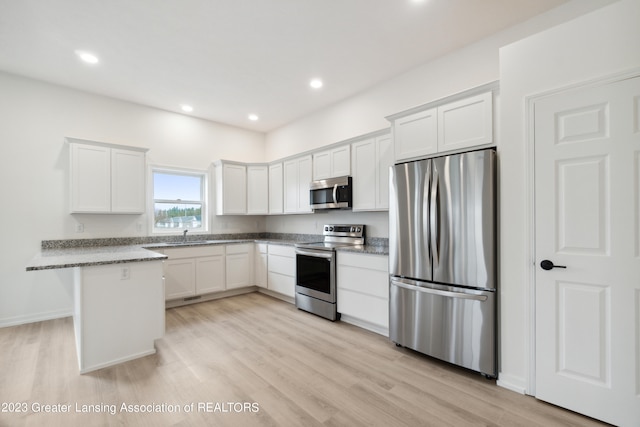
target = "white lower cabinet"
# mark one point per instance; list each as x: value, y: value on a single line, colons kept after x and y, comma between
x: 238, y: 265
x: 193, y: 271
x: 281, y: 269
x: 363, y: 290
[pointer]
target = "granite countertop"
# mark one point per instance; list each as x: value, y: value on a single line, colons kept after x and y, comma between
x: 90, y: 252
x: 49, y: 259
x: 365, y: 249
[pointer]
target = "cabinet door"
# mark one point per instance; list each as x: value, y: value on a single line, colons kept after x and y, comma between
x: 210, y: 274
x: 340, y: 161
x: 384, y: 160
x: 260, y: 268
x: 90, y: 178
x: 275, y: 189
x: 234, y: 188
x: 291, y: 186
x: 416, y: 135
x: 364, y: 175
x: 127, y: 181
x: 179, y: 278
x: 238, y: 266
x: 257, y: 190
x: 466, y: 123
x: 305, y: 177
x: 322, y: 165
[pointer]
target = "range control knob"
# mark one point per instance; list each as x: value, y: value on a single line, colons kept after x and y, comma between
x: 353, y: 229
x: 330, y: 228
x: 358, y: 229
x: 326, y: 228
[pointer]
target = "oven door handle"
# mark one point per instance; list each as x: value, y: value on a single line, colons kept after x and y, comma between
x: 318, y: 254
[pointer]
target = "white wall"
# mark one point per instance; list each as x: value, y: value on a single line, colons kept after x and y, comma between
x: 36, y: 117
x: 463, y: 69
x: 601, y: 43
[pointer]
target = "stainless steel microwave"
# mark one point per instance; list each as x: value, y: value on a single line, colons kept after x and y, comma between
x: 331, y: 193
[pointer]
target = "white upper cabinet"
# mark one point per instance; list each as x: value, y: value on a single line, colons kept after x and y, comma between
x: 332, y: 163
x: 466, y: 123
x: 127, y: 181
x: 231, y: 188
x: 457, y: 123
x: 297, y: 177
x: 276, y: 188
x: 370, y: 161
x: 257, y: 189
x: 416, y: 135
x: 106, y: 178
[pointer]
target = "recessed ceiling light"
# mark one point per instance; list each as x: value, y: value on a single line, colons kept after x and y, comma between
x: 253, y: 117
x: 316, y: 83
x: 87, y: 57
x: 186, y: 108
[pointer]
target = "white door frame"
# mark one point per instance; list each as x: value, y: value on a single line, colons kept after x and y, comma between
x: 530, y: 101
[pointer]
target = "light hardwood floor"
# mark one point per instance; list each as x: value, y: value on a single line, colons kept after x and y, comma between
x: 254, y: 351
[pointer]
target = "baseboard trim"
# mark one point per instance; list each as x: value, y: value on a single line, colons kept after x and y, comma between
x: 33, y: 318
x: 364, y: 325
x: 512, y: 383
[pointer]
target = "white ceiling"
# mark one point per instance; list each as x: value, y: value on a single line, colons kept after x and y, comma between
x: 229, y: 58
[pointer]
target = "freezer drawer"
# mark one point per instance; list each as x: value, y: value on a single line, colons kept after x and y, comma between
x: 453, y: 324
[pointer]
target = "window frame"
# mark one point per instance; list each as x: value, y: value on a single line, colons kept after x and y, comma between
x: 204, y: 176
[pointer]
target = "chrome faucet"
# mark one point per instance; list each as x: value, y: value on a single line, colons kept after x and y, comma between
x: 184, y: 235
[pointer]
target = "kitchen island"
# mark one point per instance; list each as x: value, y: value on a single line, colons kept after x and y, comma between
x: 119, y: 307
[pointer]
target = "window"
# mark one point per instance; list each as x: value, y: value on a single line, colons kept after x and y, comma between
x: 179, y: 200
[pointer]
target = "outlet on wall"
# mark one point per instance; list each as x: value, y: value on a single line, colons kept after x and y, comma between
x: 79, y: 227
x: 124, y: 273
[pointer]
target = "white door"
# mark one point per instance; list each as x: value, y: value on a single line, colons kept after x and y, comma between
x: 587, y: 198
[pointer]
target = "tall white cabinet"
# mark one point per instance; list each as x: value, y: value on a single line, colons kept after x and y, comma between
x: 106, y: 178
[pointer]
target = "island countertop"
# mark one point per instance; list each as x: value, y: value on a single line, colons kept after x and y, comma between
x: 48, y: 259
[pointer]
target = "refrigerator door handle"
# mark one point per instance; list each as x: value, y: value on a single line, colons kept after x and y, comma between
x: 439, y: 292
x: 434, y: 220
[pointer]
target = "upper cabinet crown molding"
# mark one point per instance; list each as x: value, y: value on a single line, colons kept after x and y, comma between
x: 106, y: 178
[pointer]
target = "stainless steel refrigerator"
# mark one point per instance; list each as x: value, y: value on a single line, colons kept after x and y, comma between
x: 442, y: 258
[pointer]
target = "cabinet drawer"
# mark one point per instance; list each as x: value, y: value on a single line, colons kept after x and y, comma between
x: 370, y: 309
x: 194, y: 252
x: 287, y: 251
x: 242, y: 248
x: 371, y: 262
x: 282, y: 265
x: 363, y: 281
x: 280, y: 283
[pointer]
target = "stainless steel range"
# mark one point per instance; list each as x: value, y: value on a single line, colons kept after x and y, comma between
x: 316, y: 269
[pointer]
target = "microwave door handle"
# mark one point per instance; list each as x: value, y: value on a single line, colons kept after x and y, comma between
x: 335, y: 194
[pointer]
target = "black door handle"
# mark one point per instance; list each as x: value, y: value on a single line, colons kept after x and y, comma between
x: 548, y: 265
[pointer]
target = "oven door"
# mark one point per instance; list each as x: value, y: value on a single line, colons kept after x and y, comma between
x: 316, y: 274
